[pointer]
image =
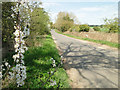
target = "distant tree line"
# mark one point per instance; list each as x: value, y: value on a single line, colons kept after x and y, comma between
x: 66, y: 22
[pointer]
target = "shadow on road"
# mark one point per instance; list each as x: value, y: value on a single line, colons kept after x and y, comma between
x: 86, y: 57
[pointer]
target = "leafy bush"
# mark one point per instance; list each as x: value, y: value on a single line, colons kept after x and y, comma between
x: 39, y: 21
x: 64, y: 21
x: 74, y: 28
x: 96, y: 28
x: 84, y: 28
x: 104, y: 29
x: 65, y: 27
x: 7, y: 23
x: 111, y: 24
x: 113, y: 28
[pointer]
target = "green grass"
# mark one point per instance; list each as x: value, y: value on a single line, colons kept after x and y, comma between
x: 116, y: 45
x: 104, y: 29
x: 37, y: 60
x: 91, y: 27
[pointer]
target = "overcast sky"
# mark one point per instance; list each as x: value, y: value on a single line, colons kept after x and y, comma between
x: 87, y: 11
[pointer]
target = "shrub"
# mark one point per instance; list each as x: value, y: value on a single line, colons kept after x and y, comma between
x: 111, y: 24
x: 74, y: 28
x: 113, y: 28
x: 96, y: 28
x: 84, y: 28
x: 65, y: 27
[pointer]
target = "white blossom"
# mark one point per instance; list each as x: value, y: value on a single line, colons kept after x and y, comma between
x: 20, y: 69
x: 9, y: 66
x: 12, y: 15
x: 16, y: 45
x: 54, y: 65
x: 17, y: 75
x: 61, y: 56
x: 11, y: 75
x: 22, y: 50
x: 22, y: 56
x: 15, y: 22
x: 0, y: 75
x: 22, y: 41
x: 22, y: 62
x: 17, y: 40
x: 16, y: 50
x: 6, y: 63
x: 16, y: 56
x: 53, y: 83
x: 15, y: 27
x: 13, y: 69
x: 51, y: 71
x: 17, y: 60
x: 53, y: 61
x: 25, y: 48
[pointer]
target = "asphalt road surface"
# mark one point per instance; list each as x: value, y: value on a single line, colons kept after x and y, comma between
x: 89, y: 65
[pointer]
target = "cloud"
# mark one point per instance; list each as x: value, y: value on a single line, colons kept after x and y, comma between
x: 94, y: 14
x: 49, y: 4
x: 91, y: 9
x: 85, y: 14
x: 80, y: 0
x: 53, y: 16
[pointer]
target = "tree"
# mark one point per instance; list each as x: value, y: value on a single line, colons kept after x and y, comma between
x: 84, y: 28
x: 64, y: 21
x: 39, y: 21
x: 39, y: 24
x: 111, y: 24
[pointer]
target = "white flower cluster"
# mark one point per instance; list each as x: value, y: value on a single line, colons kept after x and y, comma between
x: 5, y: 64
x: 52, y: 83
x: 19, y: 71
x: 54, y: 65
x: 21, y: 74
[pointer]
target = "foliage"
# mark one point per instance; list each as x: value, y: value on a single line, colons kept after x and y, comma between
x: 111, y: 24
x: 104, y: 29
x: 7, y: 23
x: 84, y: 28
x: 16, y: 72
x: 39, y: 21
x: 74, y: 28
x: 51, y: 25
x: 64, y: 21
x: 96, y: 28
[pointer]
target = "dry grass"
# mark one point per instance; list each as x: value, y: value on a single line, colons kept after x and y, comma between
x: 111, y: 37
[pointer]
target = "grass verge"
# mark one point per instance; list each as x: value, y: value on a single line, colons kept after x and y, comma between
x: 39, y: 66
x: 116, y: 45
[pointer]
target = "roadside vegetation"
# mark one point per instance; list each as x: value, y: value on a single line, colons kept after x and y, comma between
x: 112, y: 44
x: 43, y: 63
